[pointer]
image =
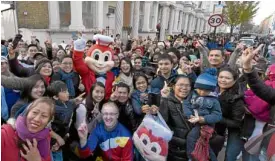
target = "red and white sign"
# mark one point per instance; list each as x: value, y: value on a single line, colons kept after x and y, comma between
x: 215, y: 20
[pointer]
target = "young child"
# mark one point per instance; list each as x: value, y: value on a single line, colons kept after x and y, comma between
x: 63, y: 116
x: 205, y: 109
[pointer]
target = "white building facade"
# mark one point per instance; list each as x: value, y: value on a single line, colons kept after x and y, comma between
x: 90, y: 17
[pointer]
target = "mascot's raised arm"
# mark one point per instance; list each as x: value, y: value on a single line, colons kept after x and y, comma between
x: 97, y: 64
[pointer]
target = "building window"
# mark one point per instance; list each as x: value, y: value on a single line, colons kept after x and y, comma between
x: 88, y: 13
x: 65, y: 13
x: 141, y: 15
x: 111, y: 10
x: 152, y: 14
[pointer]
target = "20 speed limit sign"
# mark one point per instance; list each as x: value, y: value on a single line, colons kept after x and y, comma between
x: 215, y: 20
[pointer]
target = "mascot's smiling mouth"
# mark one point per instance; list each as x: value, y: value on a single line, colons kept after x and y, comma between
x: 145, y: 152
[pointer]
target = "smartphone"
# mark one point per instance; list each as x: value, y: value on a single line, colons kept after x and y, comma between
x: 154, y: 99
x: 17, y: 38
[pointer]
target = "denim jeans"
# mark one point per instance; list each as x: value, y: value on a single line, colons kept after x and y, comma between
x: 234, y: 146
x: 57, y: 156
x: 192, y: 138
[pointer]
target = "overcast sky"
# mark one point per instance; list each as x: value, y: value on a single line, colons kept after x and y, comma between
x: 266, y: 8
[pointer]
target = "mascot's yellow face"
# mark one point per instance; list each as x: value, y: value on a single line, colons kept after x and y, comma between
x: 100, y: 59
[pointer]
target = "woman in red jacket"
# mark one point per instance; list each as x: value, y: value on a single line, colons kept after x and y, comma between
x: 30, y: 139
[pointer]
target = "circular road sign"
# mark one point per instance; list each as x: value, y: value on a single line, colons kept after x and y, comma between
x: 215, y: 20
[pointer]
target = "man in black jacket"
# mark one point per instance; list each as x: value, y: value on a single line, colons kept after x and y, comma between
x: 126, y: 112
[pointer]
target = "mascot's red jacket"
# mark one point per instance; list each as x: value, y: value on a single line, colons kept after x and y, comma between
x: 97, y: 65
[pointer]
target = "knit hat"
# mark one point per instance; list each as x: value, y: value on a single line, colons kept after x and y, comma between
x: 38, y: 54
x: 207, y: 80
x: 4, y: 59
x: 39, y: 64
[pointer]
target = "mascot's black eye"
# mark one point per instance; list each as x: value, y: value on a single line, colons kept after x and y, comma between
x: 154, y: 149
x: 144, y: 142
x: 96, y: 57
x: 106, y: 58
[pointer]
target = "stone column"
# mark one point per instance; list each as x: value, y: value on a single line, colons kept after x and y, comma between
x: 100, y: 15
x: 163, y: 22
x: 180, y: 25
x: 192, y: 27
x: 135, y: 20
x: 202, y: 25
x: 186, y: 18
x: 190, y: 24
x: 76, y: 16
x: 132, y: 12
x: 176, y: 20
x: 156, y: 9
x: 119, y: 17
x: 53, y: 7
x: 198, y: 25
x: 172, y: 20
x: 146, y: 19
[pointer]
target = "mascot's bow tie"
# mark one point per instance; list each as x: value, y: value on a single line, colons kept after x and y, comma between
x: 101, y: 75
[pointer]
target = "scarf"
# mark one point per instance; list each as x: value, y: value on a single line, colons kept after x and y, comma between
x: 42, y: 143
x: 68, y: 78
x: 47, y: 80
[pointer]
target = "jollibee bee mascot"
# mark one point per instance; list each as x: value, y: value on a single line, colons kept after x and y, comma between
x: 97, y: 65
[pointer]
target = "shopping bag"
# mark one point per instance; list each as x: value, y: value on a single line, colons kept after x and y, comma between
x: 152, y: 138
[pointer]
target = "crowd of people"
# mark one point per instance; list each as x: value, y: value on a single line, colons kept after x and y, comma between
x: 83, y: 101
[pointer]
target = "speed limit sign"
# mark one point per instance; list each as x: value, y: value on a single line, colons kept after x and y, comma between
x: 215, y: 20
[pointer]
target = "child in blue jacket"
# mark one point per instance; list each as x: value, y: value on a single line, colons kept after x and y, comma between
x: 205, y: 109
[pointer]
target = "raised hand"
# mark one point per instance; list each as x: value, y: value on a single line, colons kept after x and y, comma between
x: 114, y: 95
x: 247, y: 57
x: 187, y: 69
x: 79, y: 99
x: 11, y: 51
x: 83, y: 130
x: 165, y: 90
x: 79, y: 44
x: 32, y: 152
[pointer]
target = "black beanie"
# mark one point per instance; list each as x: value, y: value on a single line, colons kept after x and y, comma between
x: 39, y: 64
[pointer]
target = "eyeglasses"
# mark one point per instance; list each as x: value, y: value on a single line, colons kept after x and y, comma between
x: 110, y: 114
x: 67, y: 63
x: 183, y: 85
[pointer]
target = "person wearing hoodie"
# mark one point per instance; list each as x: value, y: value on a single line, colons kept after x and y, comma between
x: 30, y: 139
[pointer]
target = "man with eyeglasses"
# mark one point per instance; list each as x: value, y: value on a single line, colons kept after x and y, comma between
x: 68, y: 76
x: 112, y: 137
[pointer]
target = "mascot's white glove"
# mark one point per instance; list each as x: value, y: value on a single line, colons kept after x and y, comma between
x: 79, y: 44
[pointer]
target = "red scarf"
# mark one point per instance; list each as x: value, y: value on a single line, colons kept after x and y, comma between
x: 47, y: 79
